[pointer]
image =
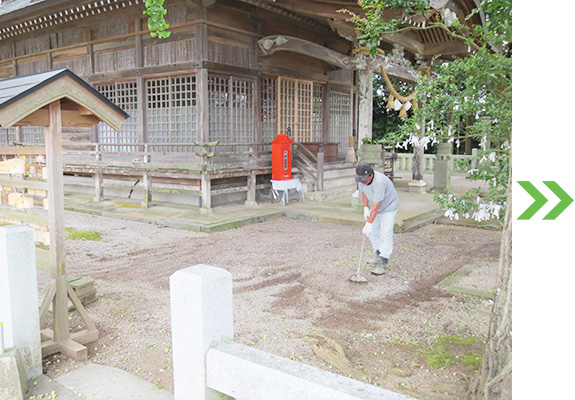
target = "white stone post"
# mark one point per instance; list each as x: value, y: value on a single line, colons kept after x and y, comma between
x: 19, y: 296
x: 202, y: 315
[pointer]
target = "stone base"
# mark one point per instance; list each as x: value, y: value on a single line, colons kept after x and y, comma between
x: 206, y: 211
x: 417, y: 187
x: 14, y: 384
x: 250, y: 203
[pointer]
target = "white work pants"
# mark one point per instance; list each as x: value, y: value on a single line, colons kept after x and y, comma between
x: 382, y: 234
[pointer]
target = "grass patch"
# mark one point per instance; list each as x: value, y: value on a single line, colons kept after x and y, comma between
x: 74, y: 234
x: 450, y: 349
x: 473, y: 361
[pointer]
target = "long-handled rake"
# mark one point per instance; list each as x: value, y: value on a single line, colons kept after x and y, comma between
x: 357, y: 277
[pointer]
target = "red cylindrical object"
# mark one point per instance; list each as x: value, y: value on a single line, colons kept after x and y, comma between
x: 281, y: 158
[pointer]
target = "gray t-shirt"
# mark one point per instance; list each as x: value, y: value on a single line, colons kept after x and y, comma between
x: 381, y: 189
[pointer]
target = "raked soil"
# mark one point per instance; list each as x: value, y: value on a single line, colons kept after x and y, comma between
x: 402, y: 331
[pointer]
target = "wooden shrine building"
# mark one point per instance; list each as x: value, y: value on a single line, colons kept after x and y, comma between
x: 205, y: 103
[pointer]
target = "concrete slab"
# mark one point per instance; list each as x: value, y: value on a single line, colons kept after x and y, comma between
x: 45, y: 387
x: 100, y: 382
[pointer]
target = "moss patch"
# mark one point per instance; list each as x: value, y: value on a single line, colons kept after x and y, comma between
x: 452, y: 349
x: 74, y: 234
x: 472, y: 361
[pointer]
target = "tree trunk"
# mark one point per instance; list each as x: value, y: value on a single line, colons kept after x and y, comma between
x: 494, y: 380
x: 417, y: 165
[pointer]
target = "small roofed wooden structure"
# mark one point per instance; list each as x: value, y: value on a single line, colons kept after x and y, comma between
x: 54, y: 99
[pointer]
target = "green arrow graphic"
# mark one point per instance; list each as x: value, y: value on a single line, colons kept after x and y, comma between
x: 560, y: 193
x: 540, y: 200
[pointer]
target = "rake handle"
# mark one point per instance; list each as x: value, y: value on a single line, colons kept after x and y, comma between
x: 361, y: 254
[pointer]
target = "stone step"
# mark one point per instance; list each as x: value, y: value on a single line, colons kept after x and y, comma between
x: 331, y: 194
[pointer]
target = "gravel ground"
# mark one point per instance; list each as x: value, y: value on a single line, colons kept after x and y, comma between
x: 291, y: 289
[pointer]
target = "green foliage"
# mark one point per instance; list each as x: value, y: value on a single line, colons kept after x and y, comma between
x: 74, y: 234
x: 156, y: 19
x: 446, y: 352
x: 472, y: 361
x: 464, y: 98
x: 373, y: 25
x: 367, y: 140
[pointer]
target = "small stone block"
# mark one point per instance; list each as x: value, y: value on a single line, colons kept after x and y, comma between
x: 417, y: 186
x: 14, y: 384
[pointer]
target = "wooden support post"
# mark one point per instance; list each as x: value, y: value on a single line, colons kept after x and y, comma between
x: 206, y: 188
x: 99, y: 185
x: 251, y: 200
x: 320, y: 157
x: 147, y: 181
x: 59, y: 338
x: 325, y: 113
x: 202, y: 105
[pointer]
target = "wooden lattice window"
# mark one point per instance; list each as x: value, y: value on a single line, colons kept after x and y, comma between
x: 340, y: 118
x: 231, y: 105
x: 171, y: 111
x: 295, y: 108
x: 33, y: 134
x: 269, y: 108
x: 7, y: 136
x: 124, y: 95
x: 27, y: 134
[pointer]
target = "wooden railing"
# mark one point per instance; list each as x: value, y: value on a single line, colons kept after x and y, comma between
x: 201, y: 164
x: 308, y: 164
x: 404, y: 162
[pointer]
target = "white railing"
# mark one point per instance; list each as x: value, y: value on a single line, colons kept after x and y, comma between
x: 404, y: 161
x: 208, y: 364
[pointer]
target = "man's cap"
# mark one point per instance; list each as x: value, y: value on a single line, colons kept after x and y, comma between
x: 362, y: 172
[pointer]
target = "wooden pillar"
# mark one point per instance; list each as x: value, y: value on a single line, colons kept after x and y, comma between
x: 206, y: 188
x: 320, y: 167
x: 142, y: 122
x: 147, y: 182
x: 139, y: 48
x: 325, y: 113
x: 251, y: 198
x: 56, y: 226
x: 55, y: 191
x: 365, y: 127
x: 258, y: 110
x: 59, y: 338
x: 98, y: 185
x: 203, y: 105
x: 87, y: 36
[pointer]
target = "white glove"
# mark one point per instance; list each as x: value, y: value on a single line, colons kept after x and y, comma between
x: 367, y: 229
x: 366, y: 213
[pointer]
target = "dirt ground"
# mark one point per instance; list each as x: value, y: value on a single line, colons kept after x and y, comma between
x: 401, y: 331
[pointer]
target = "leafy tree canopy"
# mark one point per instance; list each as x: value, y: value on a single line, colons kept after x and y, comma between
x: 466, y: 97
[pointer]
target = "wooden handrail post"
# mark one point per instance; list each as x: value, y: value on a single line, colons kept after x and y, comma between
x: 320, y: 165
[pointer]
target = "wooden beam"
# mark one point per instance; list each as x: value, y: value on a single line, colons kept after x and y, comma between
x: 70, y: 118
x: 271, y: 44
x: 64, y: 87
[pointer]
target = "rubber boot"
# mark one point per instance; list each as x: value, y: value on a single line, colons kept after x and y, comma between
x: 380, y: 266
x: 376, y: 260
